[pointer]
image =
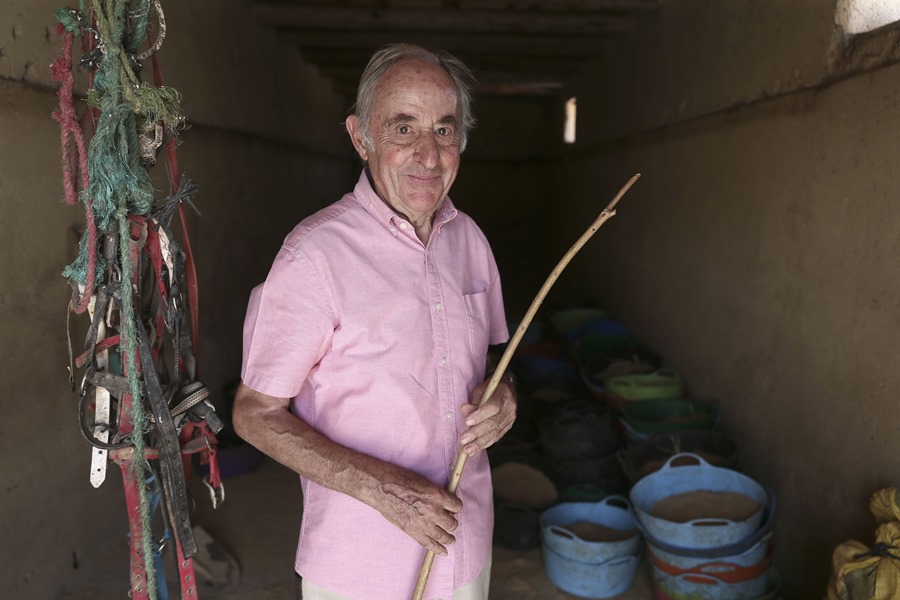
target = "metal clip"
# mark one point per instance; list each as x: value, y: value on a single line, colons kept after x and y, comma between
x: 215, y: 495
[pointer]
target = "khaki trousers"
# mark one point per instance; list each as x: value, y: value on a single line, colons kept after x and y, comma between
x: 477, y: 590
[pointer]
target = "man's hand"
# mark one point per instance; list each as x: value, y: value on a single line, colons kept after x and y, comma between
x: 490, y: 421
x: 421, y: 509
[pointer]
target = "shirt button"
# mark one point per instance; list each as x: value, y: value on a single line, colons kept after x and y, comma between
x: 438, y: 306
x: 443, y: 361
x: 448, y: 415
x: 403, y: 225
x: 394, y: 230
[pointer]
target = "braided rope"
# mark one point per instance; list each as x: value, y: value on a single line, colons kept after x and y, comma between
x: 72, y: 134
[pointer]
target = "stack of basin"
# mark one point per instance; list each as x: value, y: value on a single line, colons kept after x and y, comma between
x: 708, y: 530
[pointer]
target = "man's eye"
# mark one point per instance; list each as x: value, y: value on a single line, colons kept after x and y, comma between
x: 444, y: 131
x: 403, y: 129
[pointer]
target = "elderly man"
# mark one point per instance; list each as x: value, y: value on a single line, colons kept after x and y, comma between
x: 365, y: 352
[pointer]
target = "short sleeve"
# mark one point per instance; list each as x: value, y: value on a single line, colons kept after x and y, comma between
x: 288, y: 327
x: 499, y: 329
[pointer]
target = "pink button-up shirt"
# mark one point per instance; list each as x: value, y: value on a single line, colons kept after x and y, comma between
x: 379, y: 339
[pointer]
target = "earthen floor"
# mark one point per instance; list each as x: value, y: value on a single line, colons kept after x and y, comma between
x: 258, y: 525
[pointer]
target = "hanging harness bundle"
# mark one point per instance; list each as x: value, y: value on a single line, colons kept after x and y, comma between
x: 140, y: 402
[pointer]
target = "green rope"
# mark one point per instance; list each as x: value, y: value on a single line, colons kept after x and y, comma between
x: 139, y: 29
x: 70, y: 19
x: 157, y: 104
x: 119, y: 185
x: 77, y: 271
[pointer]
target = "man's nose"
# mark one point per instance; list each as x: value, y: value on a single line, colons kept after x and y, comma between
x: 427, y: 150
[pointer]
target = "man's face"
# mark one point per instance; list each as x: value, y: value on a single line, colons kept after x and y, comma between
x: 415, y: 134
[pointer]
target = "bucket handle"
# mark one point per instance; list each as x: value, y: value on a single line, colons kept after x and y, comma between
x: 665, y: 373
x: 620, y: 560
x: 617, y: 502
x: 719, y: 572
x: 563, y: 532
x: 700, y: 462
x: 710, y: 523
x: 694, y: 578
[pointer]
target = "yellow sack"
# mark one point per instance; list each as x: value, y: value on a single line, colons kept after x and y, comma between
x: 861, y: 573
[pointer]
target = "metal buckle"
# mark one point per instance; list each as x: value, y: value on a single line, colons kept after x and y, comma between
x: 215, y: 495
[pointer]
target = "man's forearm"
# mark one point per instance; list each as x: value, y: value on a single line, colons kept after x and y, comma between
x: 266, y: 423
x: 418, y: 507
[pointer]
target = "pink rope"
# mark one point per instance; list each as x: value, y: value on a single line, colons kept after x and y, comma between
x: 71, y: 133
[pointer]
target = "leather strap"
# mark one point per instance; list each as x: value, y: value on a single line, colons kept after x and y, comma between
x: 171, y: 470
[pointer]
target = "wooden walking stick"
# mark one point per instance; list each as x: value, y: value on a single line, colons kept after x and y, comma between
x: 604, y: 216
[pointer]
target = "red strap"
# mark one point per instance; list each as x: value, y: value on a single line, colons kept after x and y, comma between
x: 186, y: 578
x: 189, y: 268
x: 101, y: 346
x: 132, y: 503
x: 154, y: 253
x: 191, y: 434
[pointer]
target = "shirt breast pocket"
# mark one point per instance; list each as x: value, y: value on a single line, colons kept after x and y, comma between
x: 477, y: 321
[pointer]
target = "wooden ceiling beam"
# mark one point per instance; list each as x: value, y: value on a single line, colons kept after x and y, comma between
x: 358, y: 58
x: 455, y: 43
x: 561, y: 5
x: 338, y: 18
x: 346, y: 80
x: 572, y: 6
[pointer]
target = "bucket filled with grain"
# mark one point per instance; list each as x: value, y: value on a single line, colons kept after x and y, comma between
x: 591, y: 549
x: 698, y: 505
x: 591, y: 531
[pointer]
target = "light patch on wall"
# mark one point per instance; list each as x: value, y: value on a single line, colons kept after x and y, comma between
x: 569, y: 129
x: 860, y: 16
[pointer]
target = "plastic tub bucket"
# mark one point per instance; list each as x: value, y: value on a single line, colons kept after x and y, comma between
x: 613, y: 512
x: 595, y: 371
x: 600, y: 580
x: 577, y: 435
x: 602, y: 326
x: 753, y: 555
x: 713, y: 581
x: 671, y: 480
x: 648, y: 456
x: 764, y: 530
x: 660, y: 415
x: 773, y: 590
x: 566, y: 319
x: 540, y: 371
x: 632, y: 436
x: 583, y: 492
x: 601, y: 346
x: 662, y: 383
x: 603, y: 471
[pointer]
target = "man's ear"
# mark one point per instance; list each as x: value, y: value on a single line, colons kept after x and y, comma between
x: 353, y: 128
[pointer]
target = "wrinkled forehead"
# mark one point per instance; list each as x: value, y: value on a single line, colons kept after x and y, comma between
x: 416, y: 81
